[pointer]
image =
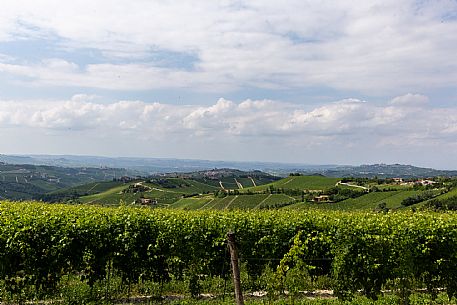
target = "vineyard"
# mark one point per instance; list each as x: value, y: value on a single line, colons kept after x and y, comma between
x: 300, y: 182
x: 370, y: 201
x: 42, y: 246
x: 238, y: 202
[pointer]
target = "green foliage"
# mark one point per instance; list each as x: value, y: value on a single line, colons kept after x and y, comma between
x: 369, y: 201
x: 41, y: 182
x: 41, y: 245
x: 417, y: 198
x: 445, y: 204
x: 299, y: 183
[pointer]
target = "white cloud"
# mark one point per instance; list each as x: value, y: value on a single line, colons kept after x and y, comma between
x: 267, y: 119
x: 410, y: 100
x: 347, y: 131
x: 81, y: 97
x: 374, y: 46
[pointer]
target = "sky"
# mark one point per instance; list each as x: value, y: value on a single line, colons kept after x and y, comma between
x: 315, y: 82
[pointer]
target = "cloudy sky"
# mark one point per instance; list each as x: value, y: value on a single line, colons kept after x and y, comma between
x: 345, y: 82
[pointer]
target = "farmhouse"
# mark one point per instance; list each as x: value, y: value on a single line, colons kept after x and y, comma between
x: 425, y: 182
x: 147, y: 201
x: 398, y: 180
x: 322, y: 198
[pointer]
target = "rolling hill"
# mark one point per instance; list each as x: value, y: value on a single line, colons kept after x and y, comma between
x: 25, y: 181
x: 165, y: 191
x: 210, y: 189
x: 176, y: 190
x: 315, y: 182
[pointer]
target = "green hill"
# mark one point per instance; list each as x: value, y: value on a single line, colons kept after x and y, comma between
x: 300, y: 183
x: 239, y: 192
x: 165, y: 190
x: 234, y: 202
x: 80, y: 191
x: 25, y: 181
x: 228, y: 177
x: 180, y: 185
x: 369, y: 201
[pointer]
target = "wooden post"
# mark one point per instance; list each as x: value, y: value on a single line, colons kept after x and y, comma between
x: 235, y: 268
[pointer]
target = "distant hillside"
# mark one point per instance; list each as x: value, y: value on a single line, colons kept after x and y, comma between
x: 228, y: 178
x: 151, y: 166
x: 165, y: 189
x: 25, y: 181
x: 315, y: 182
x: 230, y: 189
x: 382, y: 171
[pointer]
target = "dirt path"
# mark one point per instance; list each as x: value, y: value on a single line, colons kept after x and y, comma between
x: 141, y: 183
x: 160, y: 190
x: 261, y: 202
x: 93, y: 187
x: 253, y: 182
x: 206, y: 204
x: 222, y: 186
x: 240, y: 186
x: 289, y: 181
x: 256, y: 295
x: 231, y: 201
x: 351, y: 185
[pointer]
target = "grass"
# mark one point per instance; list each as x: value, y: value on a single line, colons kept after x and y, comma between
x: 229, y: 183
x: 300, y: 182
x: 213, y: 291
x: 170, y: 192
x: 398, y: 187
x: 451, y: 193
x: 238, y: 202
x: 176, y: 188
x: 192, y: 203
x: 274, y: 199
x: 184, y: 186
x: 115, y: 196
x: 219, y: 203
x: 91, y: 188
x: 45, y: 185
x: 245, y: 202
x: 369, y: 201
x: 110, y: 196
x: 245, y: 182
x: 389, y: 299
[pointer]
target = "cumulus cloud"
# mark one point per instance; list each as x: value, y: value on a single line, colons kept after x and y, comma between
x: 410, y: 100
x: 341, y: 121
x: 346, y: 131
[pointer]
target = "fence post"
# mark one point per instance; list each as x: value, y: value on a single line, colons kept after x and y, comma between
x: 235, y: 268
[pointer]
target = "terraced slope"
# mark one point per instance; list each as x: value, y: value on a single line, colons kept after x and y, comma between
x: 180, y: 185
x: 300, y: 182
x: 165, y: 191
x: 191, y: 203
x: 369, y: 201
x: 237, y: 202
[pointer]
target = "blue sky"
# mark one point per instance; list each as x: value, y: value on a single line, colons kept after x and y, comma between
x: 298, y: 81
